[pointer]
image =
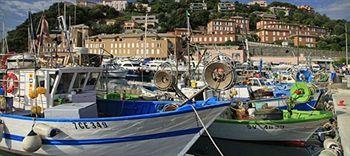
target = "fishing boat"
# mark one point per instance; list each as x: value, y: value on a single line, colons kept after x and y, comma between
x: 51, y: 109
x: 114, y: 70
x: 84, y: 127
x: 54, y: 111
x: 297, y: 127
x: 273, y: 120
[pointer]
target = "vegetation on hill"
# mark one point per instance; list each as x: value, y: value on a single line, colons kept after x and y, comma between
x: 94, y: 18
x: 173, y: 15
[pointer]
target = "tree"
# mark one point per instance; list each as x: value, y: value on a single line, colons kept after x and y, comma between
x: 280, y: 14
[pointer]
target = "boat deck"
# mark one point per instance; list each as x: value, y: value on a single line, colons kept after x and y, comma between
x: 343, y: 118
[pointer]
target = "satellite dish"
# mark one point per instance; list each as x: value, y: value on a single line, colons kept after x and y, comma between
x: 218, y: 75
x: 164, y: 80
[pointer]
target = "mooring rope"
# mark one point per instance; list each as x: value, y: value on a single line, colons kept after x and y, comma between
x: 205, y: 129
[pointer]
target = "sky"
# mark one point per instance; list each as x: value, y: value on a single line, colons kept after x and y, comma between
x: 14, y: 12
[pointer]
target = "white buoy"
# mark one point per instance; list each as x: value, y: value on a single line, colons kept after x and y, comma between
x: 32, y: 142
x: 328, y: 152
x: 44, y: 130
x: 331, y: 143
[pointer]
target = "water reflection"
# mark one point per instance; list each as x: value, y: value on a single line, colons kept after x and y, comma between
x: 203, y: 147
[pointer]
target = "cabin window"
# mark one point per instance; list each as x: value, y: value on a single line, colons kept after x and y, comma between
x: 79, y: 81
x: 92, y: 81
x: 255, y: 82
x: 64, y: 83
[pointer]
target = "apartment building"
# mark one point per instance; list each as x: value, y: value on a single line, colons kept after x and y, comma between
x: 134, y: 45
x: 144, y: 6
x: 141, y: 21
x: 226, y: 6
x: 306, y: 8
x: 129, y: 25
x: 242, y: 24
x: 221, y: 26
x: 276, y: 9
x: 261, y: 3
x: 198, y: 6
x: 270, y: 31
x: 213, y: 38
x: 86, y: 3
x: 233, y: 25
x: 184, y: 32
x: 118, y: 5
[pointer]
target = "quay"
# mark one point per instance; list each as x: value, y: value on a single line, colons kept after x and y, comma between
x: 341, y: 99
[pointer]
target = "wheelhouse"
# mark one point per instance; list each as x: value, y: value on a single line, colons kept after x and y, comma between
x: 62, y: 85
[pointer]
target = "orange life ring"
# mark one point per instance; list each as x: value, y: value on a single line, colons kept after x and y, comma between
x: 11, y: 88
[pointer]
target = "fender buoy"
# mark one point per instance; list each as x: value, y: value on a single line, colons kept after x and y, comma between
x: 13, y: 86
x: 32, y: 142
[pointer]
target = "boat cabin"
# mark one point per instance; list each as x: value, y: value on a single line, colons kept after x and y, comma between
x: 62, y: 85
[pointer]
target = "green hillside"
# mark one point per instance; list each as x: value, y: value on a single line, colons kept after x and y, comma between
x: 172, y: 15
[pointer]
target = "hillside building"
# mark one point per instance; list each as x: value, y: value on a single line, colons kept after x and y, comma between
x: 134, y: 45
x: 118, y: 5
x: 226, y: 6
x: 261, y: 3
x: 270, y: 31
x: 198, y: 6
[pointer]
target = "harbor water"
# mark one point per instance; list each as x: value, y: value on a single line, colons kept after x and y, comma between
x: 204, y: 147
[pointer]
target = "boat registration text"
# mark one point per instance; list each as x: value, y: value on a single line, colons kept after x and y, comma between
x: 90, y: 125
x: 262, y: 126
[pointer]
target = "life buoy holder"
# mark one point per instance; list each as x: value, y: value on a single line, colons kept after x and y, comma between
x: 13, y: 86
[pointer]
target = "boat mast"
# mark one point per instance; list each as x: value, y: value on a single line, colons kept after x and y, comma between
x: 63, y: 27
x: 346, y: 43
x: 5, y: 47
x: 188, y: 46
x: 145, y: 39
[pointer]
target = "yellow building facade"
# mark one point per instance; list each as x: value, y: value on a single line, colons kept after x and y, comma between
x: 134, y: 45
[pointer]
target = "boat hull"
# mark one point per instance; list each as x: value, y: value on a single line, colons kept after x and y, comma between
x: 118, y: 74
x: 171, y: 133
x: 266, y: 132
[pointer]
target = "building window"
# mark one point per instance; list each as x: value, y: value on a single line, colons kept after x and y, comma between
x: 158, y: 45
x: 152, y: 45
x: 141, y: 51
x: 215, y: 39
x: 132, y: 45
x: 158, y: 51
x: 128, y: 45
x: 124, y: 45
x: 152, y: 51
x: 128, y: 51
